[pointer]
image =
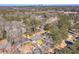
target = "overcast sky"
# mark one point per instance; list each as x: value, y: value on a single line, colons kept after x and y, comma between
x: 39, y: 1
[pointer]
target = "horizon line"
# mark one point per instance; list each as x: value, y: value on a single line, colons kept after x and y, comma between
x: 39, y: 4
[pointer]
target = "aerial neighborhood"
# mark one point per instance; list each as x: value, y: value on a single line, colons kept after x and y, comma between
x: 39, y: 29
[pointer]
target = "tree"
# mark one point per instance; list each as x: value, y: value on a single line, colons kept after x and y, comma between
x: 35, y: 23
x: 64, y: 25
x: 64, y: 21
x: 59, y: 31
x: 76, y: 26
x: 55, y: 32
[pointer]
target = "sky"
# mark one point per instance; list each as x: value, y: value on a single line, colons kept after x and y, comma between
x: 36, y: 2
